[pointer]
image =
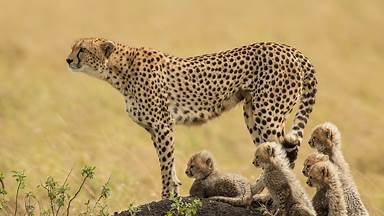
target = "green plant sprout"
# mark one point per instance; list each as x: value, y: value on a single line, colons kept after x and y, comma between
x: 88, y: 172
x: 20, y: 179
x: 133, y: 210
x: 56, y: 193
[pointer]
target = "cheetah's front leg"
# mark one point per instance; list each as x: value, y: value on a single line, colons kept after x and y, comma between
x: 162, y: 138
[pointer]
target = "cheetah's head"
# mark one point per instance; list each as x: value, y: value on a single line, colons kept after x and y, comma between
x: 200, y: 165
x: 319, y: 174
x: 90, y: 55
x: 324, y: 138
x: 311, y: 160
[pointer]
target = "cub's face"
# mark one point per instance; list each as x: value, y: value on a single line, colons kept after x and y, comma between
x: 89, y: 55
x: 200, y: 165
x: 318, y: 175
x: 311, y: 160
x: 321, y: 139
x: 263, y: 155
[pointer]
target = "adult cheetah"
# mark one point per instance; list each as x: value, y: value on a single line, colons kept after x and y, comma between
x: 162, y: 90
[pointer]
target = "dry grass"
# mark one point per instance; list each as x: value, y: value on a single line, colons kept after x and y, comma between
x: 51, y: 119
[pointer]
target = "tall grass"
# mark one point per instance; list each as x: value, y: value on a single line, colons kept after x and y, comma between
x: 52, y: 120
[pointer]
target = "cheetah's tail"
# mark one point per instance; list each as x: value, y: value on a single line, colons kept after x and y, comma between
x: 295, y: 136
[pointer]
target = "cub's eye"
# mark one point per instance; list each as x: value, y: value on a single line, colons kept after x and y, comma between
x: 310, y: 177
x: 191, y: 167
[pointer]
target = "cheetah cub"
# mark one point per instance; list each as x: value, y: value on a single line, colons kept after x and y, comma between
x: 323, y: 176
x: 311, y: 160
x: 319, y: 201
x: 209, y: 183
x: 326, y: 139
x: 279, y: 179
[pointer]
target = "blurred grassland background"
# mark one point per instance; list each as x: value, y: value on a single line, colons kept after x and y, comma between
x: 52, y: 120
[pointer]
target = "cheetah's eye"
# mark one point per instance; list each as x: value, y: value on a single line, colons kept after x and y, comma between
x: 191, y: 167
x: 81, y: 51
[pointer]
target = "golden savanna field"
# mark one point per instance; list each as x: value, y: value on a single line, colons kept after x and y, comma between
x: 52, y: 119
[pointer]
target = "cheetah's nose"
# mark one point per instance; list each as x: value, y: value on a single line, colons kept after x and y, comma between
x: 69, y: 61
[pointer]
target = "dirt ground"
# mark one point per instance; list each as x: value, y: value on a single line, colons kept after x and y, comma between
x: 209, y: 208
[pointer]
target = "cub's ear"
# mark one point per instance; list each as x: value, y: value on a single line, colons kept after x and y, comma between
x: 270, y: 151
x: 329, y: 133
x: 209, y: 163
x: 107, y: 48
x: 325, y: 157
x: 324, y: 172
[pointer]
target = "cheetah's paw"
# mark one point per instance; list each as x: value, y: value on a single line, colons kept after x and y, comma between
x: 291, y: 141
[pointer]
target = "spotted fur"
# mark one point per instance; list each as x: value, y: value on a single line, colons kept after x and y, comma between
x: 163, y: 90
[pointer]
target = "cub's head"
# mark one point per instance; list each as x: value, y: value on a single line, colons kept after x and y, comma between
x: 311, y: 160
x: 90, y: 55
x: 325, y: 137
x: 319, y: 174
x: 200, y: 165
x: 266, y: 153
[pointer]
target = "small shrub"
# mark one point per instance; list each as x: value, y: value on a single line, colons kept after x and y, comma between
x: 58, y: 196
x: 88, y: 172
x: 99, y: 208
x: 20, y: 179
x: 179, y: 207
x: 133, y: 210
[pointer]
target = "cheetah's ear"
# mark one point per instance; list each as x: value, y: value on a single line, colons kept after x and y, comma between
x: 270, y: 151
x: 209, y: 163
x: 107, y: 48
